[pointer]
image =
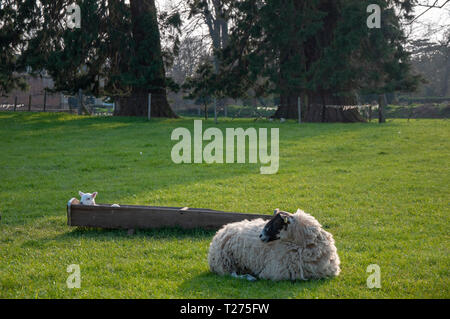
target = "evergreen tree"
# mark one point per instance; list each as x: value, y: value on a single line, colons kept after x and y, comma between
x: 202, y: 86
x: 320, y: 50
x: 13, y: 24
x: 116, y: 52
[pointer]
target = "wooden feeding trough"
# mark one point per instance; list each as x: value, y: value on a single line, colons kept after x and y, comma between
x: 144, y: 217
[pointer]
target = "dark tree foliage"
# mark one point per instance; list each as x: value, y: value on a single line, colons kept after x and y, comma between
x: 202, y: 85
x: 116, y: 52
x: 13, y: 23
x: 320, y: 50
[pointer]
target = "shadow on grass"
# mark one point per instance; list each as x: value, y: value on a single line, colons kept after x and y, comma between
x: 157, y: 233
x: 211, y: 285
x: 47, y: 120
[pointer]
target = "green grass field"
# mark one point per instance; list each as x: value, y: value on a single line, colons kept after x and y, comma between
x: 381, y: 190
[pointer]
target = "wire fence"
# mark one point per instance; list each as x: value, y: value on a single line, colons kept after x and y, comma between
x: 56, y: 102
x: 210, y: 108
x: 260, y: 109
x: 32, y: 102
x: 229, y: 111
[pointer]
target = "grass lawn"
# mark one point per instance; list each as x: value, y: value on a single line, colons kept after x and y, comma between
x: 381, y: 190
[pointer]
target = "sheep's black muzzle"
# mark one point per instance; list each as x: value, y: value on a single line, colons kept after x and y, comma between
x: 264, y: 237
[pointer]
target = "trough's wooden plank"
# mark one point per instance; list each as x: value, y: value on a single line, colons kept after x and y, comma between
x: 142, y: 217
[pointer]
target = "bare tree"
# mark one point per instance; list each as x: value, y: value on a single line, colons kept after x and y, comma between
x: 429, y: 42
x: 191, y: 52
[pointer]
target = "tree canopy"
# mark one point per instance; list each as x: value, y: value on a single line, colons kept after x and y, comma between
x: 116, y: 51
x: 321, y: 50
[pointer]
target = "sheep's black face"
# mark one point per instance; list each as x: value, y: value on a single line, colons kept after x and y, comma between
x: 273, y: 228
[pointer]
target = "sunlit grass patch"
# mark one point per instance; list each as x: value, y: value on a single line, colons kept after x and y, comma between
x: 381, y: 190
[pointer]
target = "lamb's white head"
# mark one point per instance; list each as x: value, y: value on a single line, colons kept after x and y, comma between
x: 277, y: 227
x: 87, y: 198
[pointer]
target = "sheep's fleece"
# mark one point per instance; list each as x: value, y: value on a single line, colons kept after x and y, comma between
x: 304, y: 251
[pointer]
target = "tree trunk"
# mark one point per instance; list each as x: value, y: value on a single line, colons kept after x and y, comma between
x: 323, y: 107
x: 446, y: 77
x: 147, y: 65
x: 137, y: 105
x: 296, y: 59
x: 288, y: 107
x: 205, y: 110
x: 381, y: 105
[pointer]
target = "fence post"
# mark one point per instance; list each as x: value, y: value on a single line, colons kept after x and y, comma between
x: 61, y: 101
x: 299, y: 106
x: 80, y: 101
x: 381, y: 106
x: 29, y: 103
x: 69, y: 104
x: 45, y: 100
x: 149, y: 107
x: 215, y: 110
x: 15, y: 103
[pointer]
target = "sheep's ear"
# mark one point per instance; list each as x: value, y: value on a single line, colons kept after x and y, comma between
x: 299, y: 211
x: 94, y: 194
x: 288, y: 218
x: 81, y: 193
x: 276, y: 211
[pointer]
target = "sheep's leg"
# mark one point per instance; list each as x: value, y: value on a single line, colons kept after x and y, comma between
x: 246, y: 276
x: 250, y: 277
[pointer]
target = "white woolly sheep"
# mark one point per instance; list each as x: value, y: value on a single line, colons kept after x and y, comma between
x: 288, y: 247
